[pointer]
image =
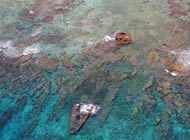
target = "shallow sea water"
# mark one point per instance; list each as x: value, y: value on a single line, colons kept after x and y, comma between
x: 53, y: 54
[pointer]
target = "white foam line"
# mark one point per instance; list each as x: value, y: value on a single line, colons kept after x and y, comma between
x: 172, y: 52
x: 33, y: 49
x: 85, y: 108
x: 9, y: 50
x: 36, y: 32
x: 172, y: 73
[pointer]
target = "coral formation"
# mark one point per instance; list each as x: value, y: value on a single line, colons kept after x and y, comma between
x: 55, y: 53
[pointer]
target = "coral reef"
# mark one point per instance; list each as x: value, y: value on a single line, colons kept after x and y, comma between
x: 46, y: 63
x: 153, y: 57
x: 56, y: 53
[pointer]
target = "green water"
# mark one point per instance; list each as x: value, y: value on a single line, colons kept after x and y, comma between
x: 52, y: 56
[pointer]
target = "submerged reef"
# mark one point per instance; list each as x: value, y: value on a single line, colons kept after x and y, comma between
x: 57, y: 53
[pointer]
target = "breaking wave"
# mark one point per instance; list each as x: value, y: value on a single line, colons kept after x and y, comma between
x: 183, y: 57
x: 10, y: 50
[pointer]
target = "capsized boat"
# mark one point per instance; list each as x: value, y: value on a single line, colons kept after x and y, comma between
x: 79, y: 115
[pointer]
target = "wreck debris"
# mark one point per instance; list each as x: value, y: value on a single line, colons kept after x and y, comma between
x: 123, y: 39
x: 79, y: 115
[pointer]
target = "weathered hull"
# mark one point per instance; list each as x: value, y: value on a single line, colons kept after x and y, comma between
x: 77, y: 119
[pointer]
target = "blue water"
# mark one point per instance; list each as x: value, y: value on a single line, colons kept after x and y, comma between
x: 68, y: 62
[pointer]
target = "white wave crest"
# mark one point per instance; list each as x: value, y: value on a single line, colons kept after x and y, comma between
x: 10, y: 50
x: 183, y: 56
x: 33, y: 49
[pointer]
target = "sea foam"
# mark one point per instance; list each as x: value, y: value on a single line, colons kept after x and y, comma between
x: 10, y: 50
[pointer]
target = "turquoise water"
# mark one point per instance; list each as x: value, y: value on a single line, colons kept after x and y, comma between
x: 53, y: 54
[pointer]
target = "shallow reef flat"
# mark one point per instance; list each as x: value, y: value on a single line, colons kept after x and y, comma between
x: 58, y: 53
